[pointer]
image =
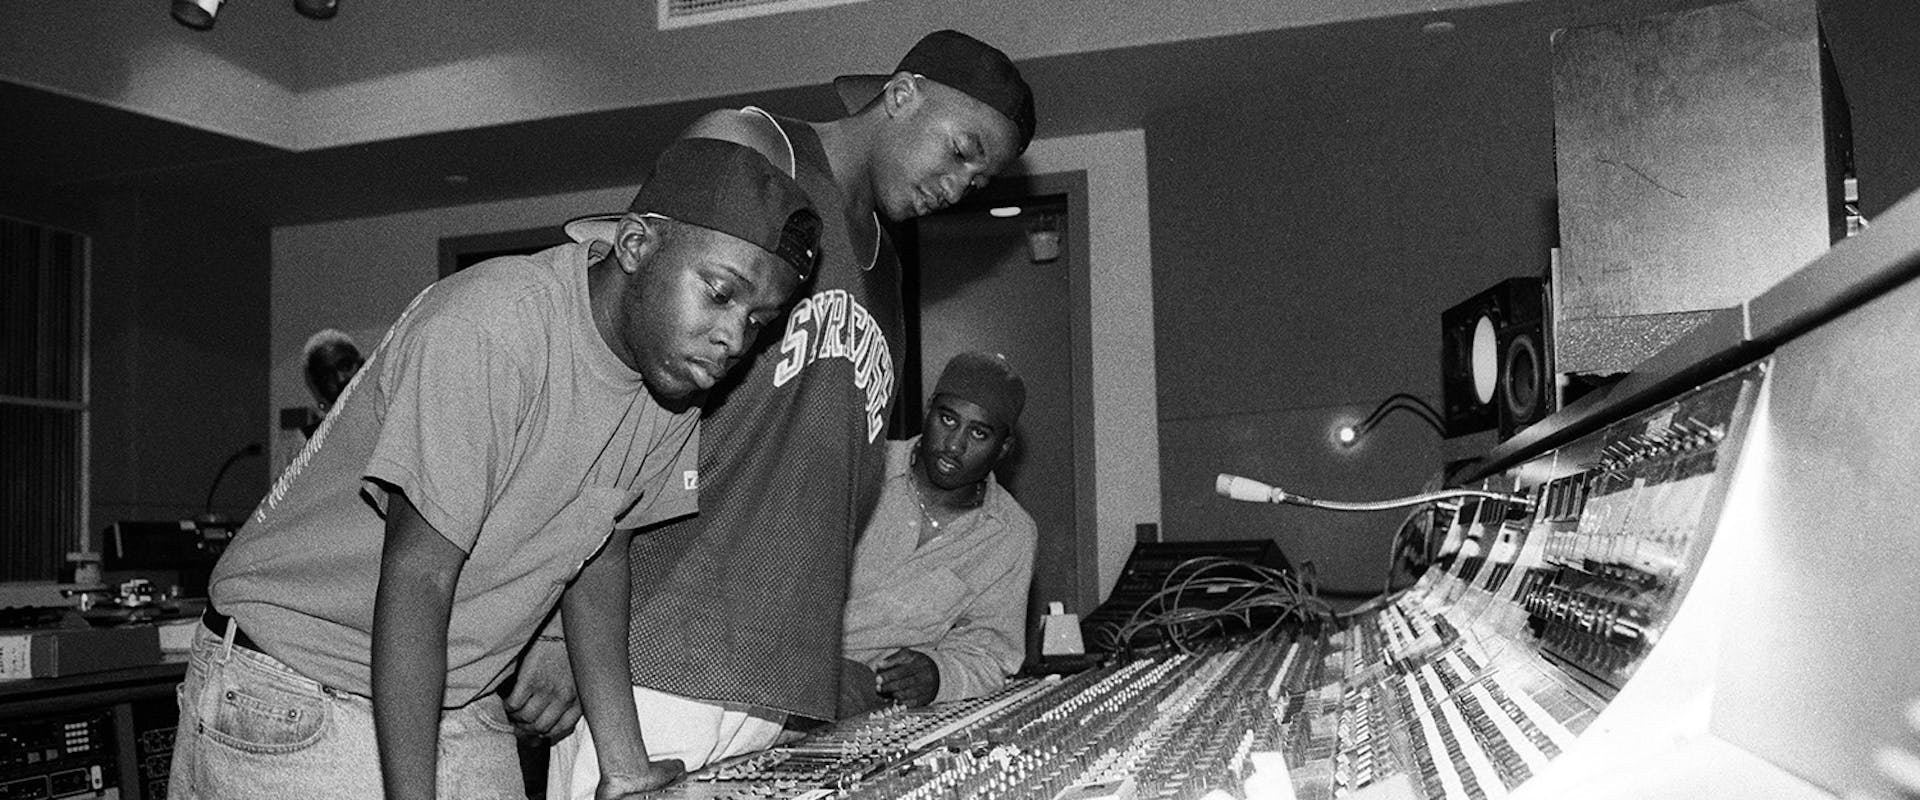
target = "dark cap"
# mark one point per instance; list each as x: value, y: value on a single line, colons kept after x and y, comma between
x: 725, y: 187
x: 985, y: 380
x: 962, y: 62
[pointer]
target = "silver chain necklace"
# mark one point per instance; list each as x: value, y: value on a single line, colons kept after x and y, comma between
x: 919, y: 499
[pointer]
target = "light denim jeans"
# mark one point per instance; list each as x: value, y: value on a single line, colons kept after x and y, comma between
x: 251, y: 727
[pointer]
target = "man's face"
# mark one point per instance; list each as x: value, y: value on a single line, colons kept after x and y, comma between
x: 941, y: 145
x: 959, y: 443
x: 331, y: 368
x: 696, y: 305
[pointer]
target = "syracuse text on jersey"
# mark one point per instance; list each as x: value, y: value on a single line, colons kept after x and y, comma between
x: 831, y: 324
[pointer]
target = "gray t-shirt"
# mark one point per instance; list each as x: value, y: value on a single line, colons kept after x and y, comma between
x: 495, y: 405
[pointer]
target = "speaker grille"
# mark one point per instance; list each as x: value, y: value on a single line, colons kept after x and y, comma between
x: 1526, y: 377
x: 1516, y: 365
x: 688, y: 13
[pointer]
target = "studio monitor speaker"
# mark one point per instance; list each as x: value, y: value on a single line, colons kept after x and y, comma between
x: 1495, y: 368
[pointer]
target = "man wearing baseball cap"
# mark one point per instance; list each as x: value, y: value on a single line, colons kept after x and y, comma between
x: 937, y: 602
x: 736, y: 612
x: 491, y: 459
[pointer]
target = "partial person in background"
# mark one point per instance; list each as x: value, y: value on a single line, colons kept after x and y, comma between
x: 937, y: 606
x: 331, y: 359
x: 519, y: 422
x: 736, y: 612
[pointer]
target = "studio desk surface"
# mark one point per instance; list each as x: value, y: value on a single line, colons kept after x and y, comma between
x: 114, y: 684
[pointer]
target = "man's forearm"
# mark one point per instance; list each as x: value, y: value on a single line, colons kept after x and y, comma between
x: 973, y: 667
x: 595, y: 611
x: 989, y: 644
x: 990, y: 641
x: 412, y: 605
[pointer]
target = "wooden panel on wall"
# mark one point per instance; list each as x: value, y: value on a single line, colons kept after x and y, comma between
x: 1692, y: 170
x: 43, y: 394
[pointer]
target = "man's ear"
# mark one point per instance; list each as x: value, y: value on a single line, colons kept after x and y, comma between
x: 1006, y: 447
x: 635, y: 240
x: 901, y: 94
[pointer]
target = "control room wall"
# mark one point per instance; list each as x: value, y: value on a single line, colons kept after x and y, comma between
x: 1306, y: 240
x: 178, y: 332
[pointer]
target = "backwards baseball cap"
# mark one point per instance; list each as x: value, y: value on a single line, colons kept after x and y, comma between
x: 724, y: 187
x: 985, y: 380
x: 962, y: 62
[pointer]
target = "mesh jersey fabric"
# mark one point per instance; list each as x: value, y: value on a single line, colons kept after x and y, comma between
x: 742, y: 603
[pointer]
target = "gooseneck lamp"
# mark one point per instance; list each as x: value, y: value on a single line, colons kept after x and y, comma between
x: 1235, y: 487
x: 1349, y: 435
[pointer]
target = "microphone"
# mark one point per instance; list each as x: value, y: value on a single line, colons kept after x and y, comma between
x: 1249, y: 490
x: 1246, y: 489
x: 252, y: 449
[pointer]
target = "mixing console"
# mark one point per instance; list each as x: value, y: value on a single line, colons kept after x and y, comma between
x: 1460, y: 688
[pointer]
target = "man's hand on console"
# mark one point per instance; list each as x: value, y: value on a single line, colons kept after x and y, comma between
x: 640, y: 783
x: 908, y: 677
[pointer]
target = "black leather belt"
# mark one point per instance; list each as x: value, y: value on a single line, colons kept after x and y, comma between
x: 219, y: 623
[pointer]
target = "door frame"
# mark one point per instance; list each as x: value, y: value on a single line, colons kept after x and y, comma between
x: 1011, y: 190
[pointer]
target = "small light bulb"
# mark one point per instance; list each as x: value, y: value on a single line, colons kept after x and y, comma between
x: 1347, y: 434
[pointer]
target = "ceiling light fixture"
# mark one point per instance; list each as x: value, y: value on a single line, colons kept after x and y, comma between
x: 199, y: 14
x: 196, y: 14
x: 1004, y: 211
x: 317, y: 9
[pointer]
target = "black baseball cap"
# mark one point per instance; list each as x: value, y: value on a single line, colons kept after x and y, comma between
x: 985, y: 380
x: 962, y: 62
x: 724, y: 187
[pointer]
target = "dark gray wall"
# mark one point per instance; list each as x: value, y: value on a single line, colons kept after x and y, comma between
x: 1875, y: 45
x: 179, y: 364
x: 179, y: 344
x: 1305, y: 240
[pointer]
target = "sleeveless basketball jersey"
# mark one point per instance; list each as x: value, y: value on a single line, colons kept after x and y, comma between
x: 742, y: 603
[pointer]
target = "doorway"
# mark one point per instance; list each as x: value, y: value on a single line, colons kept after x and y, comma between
x: 977, y: 282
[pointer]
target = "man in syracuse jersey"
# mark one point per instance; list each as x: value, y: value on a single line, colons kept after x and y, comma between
x: 736, y: 619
